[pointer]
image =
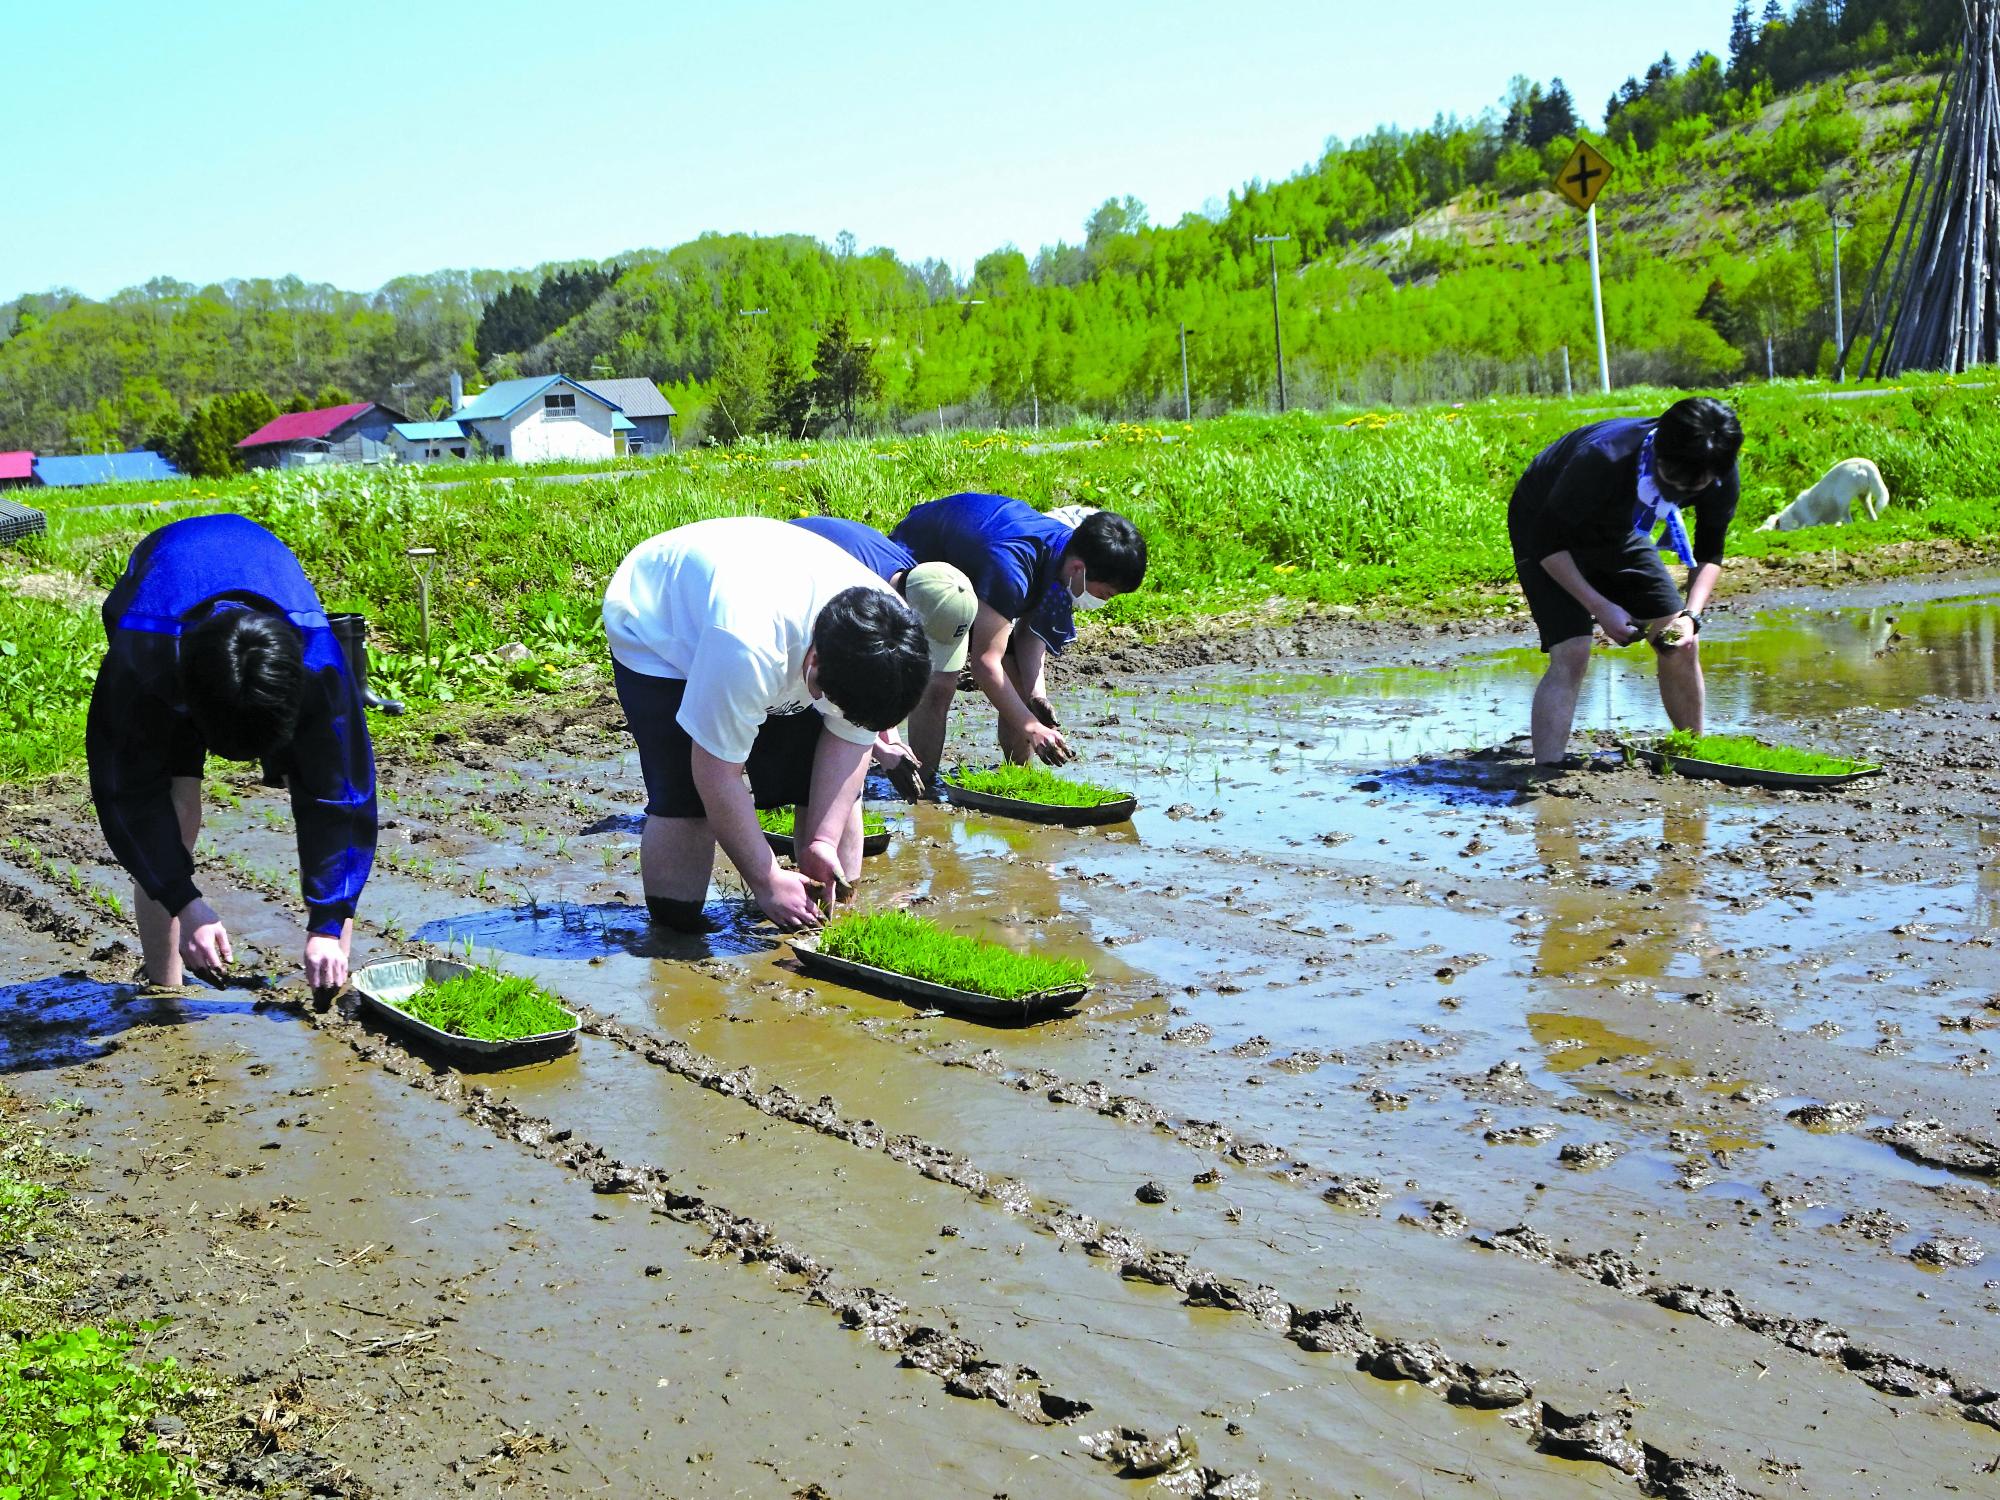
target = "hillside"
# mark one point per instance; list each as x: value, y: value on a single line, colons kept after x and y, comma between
x: 1421, y: 265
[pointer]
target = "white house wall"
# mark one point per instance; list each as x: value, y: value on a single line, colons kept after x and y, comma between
x: 532, y: 438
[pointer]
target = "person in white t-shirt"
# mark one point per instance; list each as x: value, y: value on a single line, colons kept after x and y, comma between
x: 746, y: 647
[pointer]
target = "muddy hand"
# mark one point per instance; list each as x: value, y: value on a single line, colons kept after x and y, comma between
x: 790, y: 900
x: 205, y: 948
x: 1049, y: 744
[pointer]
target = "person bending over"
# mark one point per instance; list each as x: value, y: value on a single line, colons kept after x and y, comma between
x: 1582, y: 524
x: 218, y: 644
x: 744, y: 647
x: 943, y: 600
x: 1026, y: 568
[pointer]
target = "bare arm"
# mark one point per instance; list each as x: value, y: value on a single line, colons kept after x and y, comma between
x: 785, y: 897
x: 1701, y: 585
x: 991, y: 634
x: 1618, y: 625
x: 840, y: 769
x: 1031, y: 655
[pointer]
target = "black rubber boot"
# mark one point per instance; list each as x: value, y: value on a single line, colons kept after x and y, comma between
x: 678, y: 916
x: 352, y: 632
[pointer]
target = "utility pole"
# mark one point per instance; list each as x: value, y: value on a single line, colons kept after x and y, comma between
x: 1277, y: 329
x: 1187, y: 401
x: 1567, y: 391
x: 1839, y: 321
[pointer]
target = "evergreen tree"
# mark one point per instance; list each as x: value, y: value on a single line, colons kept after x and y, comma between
x: 1742, y: 44
x: 1552, y: 116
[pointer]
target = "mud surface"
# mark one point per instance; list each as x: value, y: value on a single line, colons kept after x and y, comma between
x: 1431, y: 1128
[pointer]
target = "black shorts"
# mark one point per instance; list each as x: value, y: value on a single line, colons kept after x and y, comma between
x: 1631, y: 576
x: 781, y: 757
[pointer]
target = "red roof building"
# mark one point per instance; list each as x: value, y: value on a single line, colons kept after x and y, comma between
x: 354, y: 433
x: 16, y: 468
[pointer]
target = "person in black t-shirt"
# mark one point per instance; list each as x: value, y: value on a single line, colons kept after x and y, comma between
x: 1582, y: 524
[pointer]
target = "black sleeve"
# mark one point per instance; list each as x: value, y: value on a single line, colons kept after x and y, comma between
x: 128, y: 740
x: 331, y: 770
x: 1712, y: 515
x: 1574, y: 514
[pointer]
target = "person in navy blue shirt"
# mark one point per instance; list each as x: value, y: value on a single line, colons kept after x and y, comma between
x: 1025, y: 567
x: 1582, y: 524
x: 219, y: 644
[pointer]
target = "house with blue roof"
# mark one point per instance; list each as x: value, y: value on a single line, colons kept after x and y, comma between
x: 62, y: 472
x: 543, y: 419
x: 429, y: 442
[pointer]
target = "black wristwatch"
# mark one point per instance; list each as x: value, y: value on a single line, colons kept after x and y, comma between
x: 1694, y: 617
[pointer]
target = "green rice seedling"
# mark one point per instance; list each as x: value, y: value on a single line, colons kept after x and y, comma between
x: 914, y: 946
x: 489, y: 1007
x: 1742, y: 750
x: 779, y: 820
x: 1035, y: 783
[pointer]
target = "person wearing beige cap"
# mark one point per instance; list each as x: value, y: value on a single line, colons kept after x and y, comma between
x: 939, y: 594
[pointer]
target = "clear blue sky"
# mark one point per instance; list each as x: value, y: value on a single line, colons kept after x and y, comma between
x: 354, y: 142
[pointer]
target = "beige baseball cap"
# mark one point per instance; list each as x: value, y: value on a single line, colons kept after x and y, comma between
x: 943, y: 599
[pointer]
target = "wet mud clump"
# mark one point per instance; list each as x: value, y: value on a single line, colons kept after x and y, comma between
x: 1929, y: 1142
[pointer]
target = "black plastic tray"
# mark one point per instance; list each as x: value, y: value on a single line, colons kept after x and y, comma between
x: 1040, y: 812
x: 921, y: 992
x: 1715, y: 770
x: 378, y: 985
x: 872, y: 844
x: 17, y: 521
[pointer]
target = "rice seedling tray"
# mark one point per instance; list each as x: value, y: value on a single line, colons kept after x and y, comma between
x: 1069, y: 816
x: 972, y: 1005
x: 1734, y: 775
x: 873, y: 842
x: 380, y: 987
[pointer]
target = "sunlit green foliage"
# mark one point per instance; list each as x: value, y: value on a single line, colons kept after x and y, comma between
x: 1034, y: 783
x: 1743, y: 750
x: 489, y: 1007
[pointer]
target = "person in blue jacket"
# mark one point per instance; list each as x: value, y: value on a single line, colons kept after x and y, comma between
x: 1026, y: 568
x: 218, y: 644
x: 943, y: 600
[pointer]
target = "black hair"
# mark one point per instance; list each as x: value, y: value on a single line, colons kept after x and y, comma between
x: 1699, y: 436
x: 244, y: 675
x: 874, y: 662
x: 1112, y: 550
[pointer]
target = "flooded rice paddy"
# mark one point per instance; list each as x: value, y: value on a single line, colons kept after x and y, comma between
x: 1430, y: 1130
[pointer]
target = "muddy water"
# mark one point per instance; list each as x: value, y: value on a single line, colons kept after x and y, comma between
x: 1587, y: 1083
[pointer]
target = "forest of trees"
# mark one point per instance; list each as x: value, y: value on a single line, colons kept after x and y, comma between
x: 1715, y: 243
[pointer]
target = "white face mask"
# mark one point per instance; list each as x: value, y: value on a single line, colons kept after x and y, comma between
x: 1087, y: 601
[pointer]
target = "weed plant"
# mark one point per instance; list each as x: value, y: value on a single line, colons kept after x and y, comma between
x: 1742, y: 750
x: 914, y: 946
x: 489, y: 1007
x: 780, y: 820
x: 1035, y: 783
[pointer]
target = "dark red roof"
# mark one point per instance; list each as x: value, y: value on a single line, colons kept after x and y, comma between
x: 295, y: 425
x: 17, y: 465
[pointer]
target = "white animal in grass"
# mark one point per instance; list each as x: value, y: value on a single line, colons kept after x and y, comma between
x: 1831, y: 501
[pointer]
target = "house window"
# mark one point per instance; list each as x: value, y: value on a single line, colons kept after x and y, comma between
x: 499, y: 450
x: 559, y: 406
x: 634, y: 443
x: 458, y: 453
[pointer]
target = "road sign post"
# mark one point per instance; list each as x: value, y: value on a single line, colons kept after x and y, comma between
x: 1580, y: 181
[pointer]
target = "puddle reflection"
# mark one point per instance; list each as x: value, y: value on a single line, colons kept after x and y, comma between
x: 65, y: 1019
x: 573, y: 931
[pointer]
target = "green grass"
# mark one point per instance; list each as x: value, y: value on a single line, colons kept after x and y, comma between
x: 1392, y: 512
x: 1035, y: 783
x: 1742, y: 750
x: 489, y: 1007
x: 779, y: 820
x: 904, y: 944
x: 75, y: 1400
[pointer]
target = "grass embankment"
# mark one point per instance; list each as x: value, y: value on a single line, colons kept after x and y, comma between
x: 489, y: 1007
x: 76, y: 1401
x: 1036, y: 783
x: 779, y: 820
x: 1389, y: 512
x: 903, y: 944
x: 1755, y: 755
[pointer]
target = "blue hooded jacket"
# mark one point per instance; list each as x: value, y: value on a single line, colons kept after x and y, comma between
x: 138, y: 713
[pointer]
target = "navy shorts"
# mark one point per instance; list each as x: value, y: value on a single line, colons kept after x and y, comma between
x: 781, y: 757
x: 1631, y: 576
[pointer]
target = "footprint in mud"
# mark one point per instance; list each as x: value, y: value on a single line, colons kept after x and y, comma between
x: 571, y: 931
